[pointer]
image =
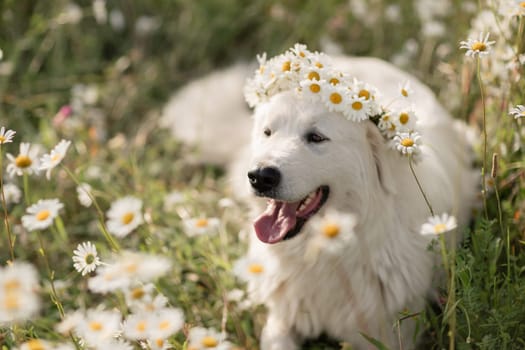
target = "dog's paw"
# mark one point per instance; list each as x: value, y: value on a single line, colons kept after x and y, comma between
x: 276, y: 336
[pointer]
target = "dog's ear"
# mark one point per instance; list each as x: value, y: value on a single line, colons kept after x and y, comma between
x: 379, y: 152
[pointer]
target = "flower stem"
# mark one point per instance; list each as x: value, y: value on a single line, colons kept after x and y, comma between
x: 26, y: 188
x: 51, y: 273
x: 484, y: 127
x: 6, y: 217
x: 113, y: 244
x: 419, y: 186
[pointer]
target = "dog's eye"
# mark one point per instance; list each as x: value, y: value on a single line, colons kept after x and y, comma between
x: 314, y: 137
x: 267, y: 132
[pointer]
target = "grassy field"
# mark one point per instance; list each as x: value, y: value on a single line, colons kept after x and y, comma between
x: 97, y: 73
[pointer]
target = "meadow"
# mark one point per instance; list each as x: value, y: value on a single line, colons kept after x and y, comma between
x: 108, y: 225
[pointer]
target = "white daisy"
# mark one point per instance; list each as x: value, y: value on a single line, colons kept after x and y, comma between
x: 69, y: 323
x: 50, y: 161
x: 98, y: 326
x: 128, y: 267
x: 37, y: 344
x: 408, y: 143
x: 206, y: 338
x: 12, y: 193
x: 41, y: 215
x: 142, y: 298
x: 167, y: 322
x: 477, y: 47
x: 312, y: 89
x: 257, y: 270
x: 512, y: 8
x: 517, y: 112
x: 250, y: 268
x: 26, y: 162
x: 405, y: 119
x: 201, y: 226
x: 6, y: 136
x: 138, y: 326
x: 357, y: 108
x: 83, y: 194
x: 85, y: 258
x: 436, y: 224
x: 405, y: 89
x: 386, y: 124
x: 332, y: 232
x: 124, y: 215
x: 335, y: 98
x: 18, y: 293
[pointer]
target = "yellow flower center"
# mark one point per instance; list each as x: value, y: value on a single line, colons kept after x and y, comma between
x: 131, y: 267
x: 23, y: 161
x: 262, y: 69
x: 407, y: 142
x: 392, y: 127
x: 357, y: 106
x: 302, y: 54
x: 335, y: 98
x: 56, y: 157
x: 440, y: 228
x: 137, y: 293
x: 286, y: 66
x: 319, y: 65
x: 331, y: 230
x: 314, y: 75
x: 334, y: 81
x: 11, y: 285
x: 159, y: 342
x: 315, y: 88
x: 42, y: 215
x: 141, y: 326
x: 209, y: 342
x: 35, y: 344
x: 403, y: 118
x: 256, y: 268
x: 404, y: 92
x: 522, y: 4
x: 201, y: 223
x: 364, y: 93
x: 11, y: 302
x: 479, y: 46
x: 386, y: 118
x: 127, y: 218
x: 95, y: 326
x: 164, y: 325
x: 2, y: 139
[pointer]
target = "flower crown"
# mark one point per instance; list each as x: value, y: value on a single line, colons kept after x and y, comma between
x: 312, y: 76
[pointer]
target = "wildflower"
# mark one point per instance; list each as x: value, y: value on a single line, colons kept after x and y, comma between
x: 357, y: 108
x: 85, y: 258
x: 141, y: 298
x: 12, y: 193
x: 41, y: 215
x: 405, y: 89
x: 335, y: 98
x: 6, y: 136
x: 83, y: 194
x: 98, y: 326
x: 124, y: 216
x: 436, y: 224
x: 18, y: 292
x: 311, y: 89
x: 405, y: 120
x: 50, y: 161
x: 249, y: 268
x: 512, y: 8
x: 138, y: 326
x: 408, y: 143
x: 127, y: 267
x: 517, y: 112
x: 26, y: 162
x: 167, y: 322
x: 201, y: 226
x: 332, y: 232
x: 37, y: 344
x: 477, y: 47
x: 206, y: 338
x: 69, y: 322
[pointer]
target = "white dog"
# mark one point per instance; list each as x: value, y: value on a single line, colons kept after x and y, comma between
x: 308, y: 160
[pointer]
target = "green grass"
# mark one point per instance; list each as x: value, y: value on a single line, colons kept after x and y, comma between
x: 119, y: 150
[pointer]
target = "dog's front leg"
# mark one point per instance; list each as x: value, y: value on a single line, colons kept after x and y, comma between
x: 277, y: 335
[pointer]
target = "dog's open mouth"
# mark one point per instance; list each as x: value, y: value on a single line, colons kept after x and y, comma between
x: 283, y: 220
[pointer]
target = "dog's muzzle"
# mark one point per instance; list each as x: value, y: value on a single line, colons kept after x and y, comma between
x: 264, y: 179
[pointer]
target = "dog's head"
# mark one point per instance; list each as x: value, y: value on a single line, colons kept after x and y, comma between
x: 305, y: 158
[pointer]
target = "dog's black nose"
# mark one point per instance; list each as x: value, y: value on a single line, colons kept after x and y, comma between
x: 264, y: 179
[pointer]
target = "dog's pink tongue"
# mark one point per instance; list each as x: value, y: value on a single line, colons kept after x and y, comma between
x: 278, y: 218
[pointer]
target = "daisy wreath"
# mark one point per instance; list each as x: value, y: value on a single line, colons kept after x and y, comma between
x: 312, y: 76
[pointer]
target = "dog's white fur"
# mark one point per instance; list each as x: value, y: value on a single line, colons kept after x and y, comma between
x: 388, y: 268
